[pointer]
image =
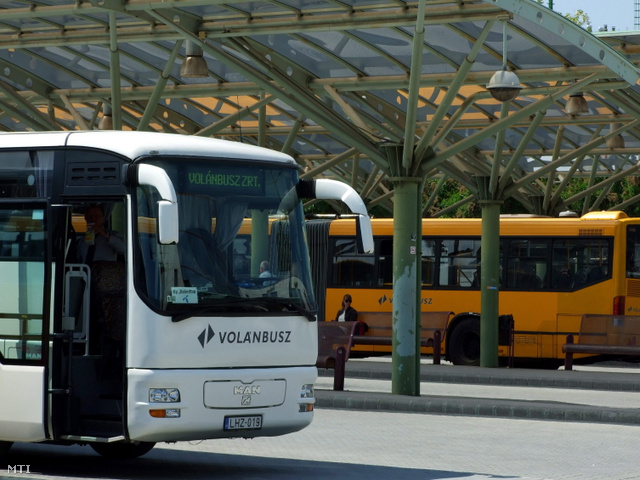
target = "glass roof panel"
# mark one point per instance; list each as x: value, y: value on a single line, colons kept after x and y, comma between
x: 336, y: 75
x: 541, y: 47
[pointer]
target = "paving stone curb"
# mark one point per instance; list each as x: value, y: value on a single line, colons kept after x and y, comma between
x: 470, y: 406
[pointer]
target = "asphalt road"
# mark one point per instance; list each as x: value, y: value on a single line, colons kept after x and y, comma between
x: 348, y: 444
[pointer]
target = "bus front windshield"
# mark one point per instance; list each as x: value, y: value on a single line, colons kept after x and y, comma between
x: 240, y: 252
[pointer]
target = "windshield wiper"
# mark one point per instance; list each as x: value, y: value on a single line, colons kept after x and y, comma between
x: 247, y: 304
x: 289, y: 305
x: 218, y: 307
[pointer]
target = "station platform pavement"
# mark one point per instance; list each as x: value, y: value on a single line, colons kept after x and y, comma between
x: 606, y: 392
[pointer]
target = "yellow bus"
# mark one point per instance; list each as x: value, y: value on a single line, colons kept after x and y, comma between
x: 552, y: 271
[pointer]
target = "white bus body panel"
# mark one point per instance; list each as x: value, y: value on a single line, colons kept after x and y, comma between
x: 154, y: 341
x: 208, y: 396
x: 132, y: 144
x: 22, y: 393
x: 222, y: 366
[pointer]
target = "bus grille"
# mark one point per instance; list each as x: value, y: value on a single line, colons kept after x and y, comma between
x: 633, y: 288
x: 590, y: 232
x: 91, y: 173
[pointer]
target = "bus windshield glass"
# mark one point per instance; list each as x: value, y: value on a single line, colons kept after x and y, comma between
x: 239, y: 250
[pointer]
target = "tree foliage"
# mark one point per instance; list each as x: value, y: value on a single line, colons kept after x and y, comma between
x: 579, y: 17
x: 452, y: 193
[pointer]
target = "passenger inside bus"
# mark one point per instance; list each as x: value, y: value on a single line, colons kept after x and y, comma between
x: 99, y: 243
x: 563, y: 280
x: 102, y: 249
x: 264, y: 269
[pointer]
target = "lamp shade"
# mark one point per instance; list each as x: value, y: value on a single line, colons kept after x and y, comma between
x: 504, y: 86
x: 615, y: 142
x: 576, y: 105
x: 106, y: 121
x: 194, y: 64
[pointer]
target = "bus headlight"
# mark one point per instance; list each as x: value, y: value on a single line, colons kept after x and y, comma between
x: 164, y: 395
x: 307, y: 391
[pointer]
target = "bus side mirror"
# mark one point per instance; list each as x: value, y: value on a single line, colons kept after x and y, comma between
x: 153, y: 176
x: 325, y: 189
x: 364, y: 234
x: 167, y: 228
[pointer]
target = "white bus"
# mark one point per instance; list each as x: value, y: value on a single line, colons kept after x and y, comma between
x: 176, y: 336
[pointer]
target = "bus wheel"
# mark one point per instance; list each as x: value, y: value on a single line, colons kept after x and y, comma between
x: 4, y: 448
x: 122, y: 450
x: 464, y: 344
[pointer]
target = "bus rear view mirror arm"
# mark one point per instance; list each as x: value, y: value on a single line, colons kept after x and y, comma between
x: 156, y: 177
x: 324, y: 189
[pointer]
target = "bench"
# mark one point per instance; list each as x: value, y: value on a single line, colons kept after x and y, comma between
x: 381, y: 329
x: 337, y: 339
x: 334, y: 341
x: 604, y: 335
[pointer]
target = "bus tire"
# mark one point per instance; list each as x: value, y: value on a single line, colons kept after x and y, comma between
x: 464, y: 343
x: 4, y: 448
x: 121, y: 450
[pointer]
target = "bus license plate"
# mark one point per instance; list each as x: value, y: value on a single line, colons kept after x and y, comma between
x: 247, y: 422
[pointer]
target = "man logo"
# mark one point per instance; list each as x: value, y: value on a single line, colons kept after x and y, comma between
x: 247, y: 390
x: 206, y: 336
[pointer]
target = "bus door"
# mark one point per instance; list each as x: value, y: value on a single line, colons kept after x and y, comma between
x: 25, y: 294
x: 88, y: 356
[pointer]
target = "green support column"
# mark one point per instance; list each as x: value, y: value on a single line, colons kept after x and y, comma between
x: 406, y: 315
x: 489, y: 282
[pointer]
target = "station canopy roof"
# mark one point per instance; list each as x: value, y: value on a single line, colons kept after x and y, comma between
x: 332, y: 82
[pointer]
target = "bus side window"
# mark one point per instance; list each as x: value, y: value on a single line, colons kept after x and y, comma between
x: 561, y: 280
x: 596, y: 274
x: 527, y: 265
x: 351, y: 269
x: 385, y: 262
x: 593, y: 261
x: 561, y: 265
x: 633, y: 251
x: 582, y: 275
x: 579, y: 262
x: 458, y: 264
x: 428, y: 262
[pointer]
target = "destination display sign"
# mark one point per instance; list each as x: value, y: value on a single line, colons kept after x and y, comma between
x: 227, y: 180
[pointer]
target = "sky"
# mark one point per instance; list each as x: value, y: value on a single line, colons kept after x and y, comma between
x: 618, y: 13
